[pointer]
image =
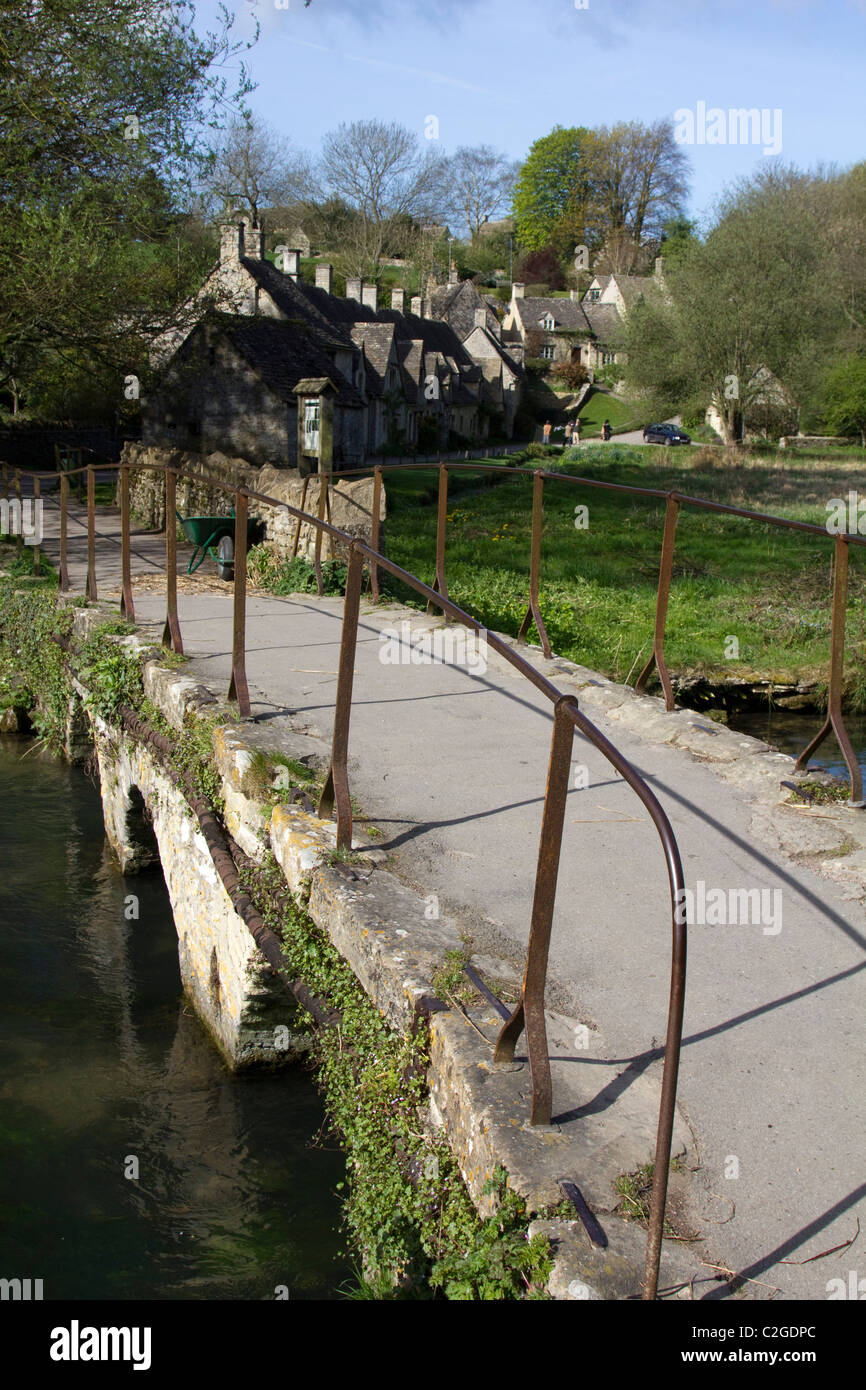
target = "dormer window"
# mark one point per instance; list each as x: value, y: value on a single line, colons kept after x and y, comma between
x: 548, y: 323
x: 594, y: 296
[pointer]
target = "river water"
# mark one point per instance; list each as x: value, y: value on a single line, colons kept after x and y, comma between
x: 790, y: 733
x: 105, y: 1069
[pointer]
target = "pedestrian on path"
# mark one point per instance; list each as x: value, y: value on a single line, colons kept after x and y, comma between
x: 545, y: 433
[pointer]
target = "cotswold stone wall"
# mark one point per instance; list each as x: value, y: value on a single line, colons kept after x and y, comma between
x: 210, y: 492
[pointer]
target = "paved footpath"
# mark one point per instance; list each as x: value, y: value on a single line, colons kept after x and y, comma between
x: 451, y: 766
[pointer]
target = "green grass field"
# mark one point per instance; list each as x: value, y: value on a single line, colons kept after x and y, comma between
x: 765, y: 587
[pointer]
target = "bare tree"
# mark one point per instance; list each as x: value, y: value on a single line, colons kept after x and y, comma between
x: 381, y: 171
x: 255, y: 167
x: 481, y: 184
x: 638, y: 179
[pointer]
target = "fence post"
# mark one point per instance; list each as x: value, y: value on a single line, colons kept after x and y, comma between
x: 171, y: 637
x: 529, y: 1013
x: 127, y: 607
x: 238, y: 689
x: 336, y: 789
x: 374, y: 533
x: 20, y: 538
x: 534, y: 610
x: 303, y: 504
x: 91, y: 535
x: 64, y: 508
x: 37, y: 565
x: 441, y: 523
x: 835, y: 719
x: 657, y: 656
x: 320, y: 512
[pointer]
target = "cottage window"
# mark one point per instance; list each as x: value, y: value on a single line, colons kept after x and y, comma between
x: 548, y: 323
x: 548, y: 351
x: 607, y: 358
x: 594, y: 296
x: 311, y: 427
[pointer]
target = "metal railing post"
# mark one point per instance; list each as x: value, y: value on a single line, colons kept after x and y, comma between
x: 534, y: 611
x: 336, y: 789
x: 238, y: 689
x: 529, y: 1013
x: 439, y: 583
x: 320, y: 512
x: 301, y: 506
x: 37, y: 565
x: 374, y: 531
x: 64, y: 511
x: 657, y: 657
x: 171, y: 637
x: 835, y: 719
x: 91, y: 535
x: 20, y: 537
x: 127, y: 607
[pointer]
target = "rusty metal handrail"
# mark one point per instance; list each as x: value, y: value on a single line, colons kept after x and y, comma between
x: 673, y: 501
x: 529, y: 1013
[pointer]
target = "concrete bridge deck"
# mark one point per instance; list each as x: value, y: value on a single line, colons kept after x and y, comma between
x: 451, y: 766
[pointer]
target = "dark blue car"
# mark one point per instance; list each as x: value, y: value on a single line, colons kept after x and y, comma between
x: 665, y: 434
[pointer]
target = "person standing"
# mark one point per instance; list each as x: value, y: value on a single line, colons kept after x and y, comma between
x: 545, y: 433
x: 568, y: 432
x: 575, y: 433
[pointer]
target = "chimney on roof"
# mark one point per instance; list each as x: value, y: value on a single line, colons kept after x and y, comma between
x: 574, y: 296
x: 481, y: 317
x: 254, y: 241
x: 452, y: 275
x: 353, y: 288
x: 659, y: 268
x: 231, y: 242
x: 398, y: 300
x: 325, y: 278
x: 517, y: 290
x: 369, y: 296
x: 289, y: 262
x: 415, y: 305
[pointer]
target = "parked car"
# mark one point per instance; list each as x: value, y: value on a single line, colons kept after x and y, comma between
x: 665, y: 434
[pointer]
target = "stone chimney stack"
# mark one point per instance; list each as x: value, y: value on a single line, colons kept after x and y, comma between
x: 231, y: 242
x: 289, y: 262
x: 398, y: 300
x: 452, y: 275
x: 369, y: 296
x: 481, y: 317
x: 353, y: 288
x: 415, y: 305
x: 517, y: 290
x: 574, y: 296
x: 254, y: 241
x: 325, y: 278
x: 659, y: 268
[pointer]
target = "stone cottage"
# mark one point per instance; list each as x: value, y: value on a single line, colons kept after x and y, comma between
x: 397, y: 380
x: 583, y: 328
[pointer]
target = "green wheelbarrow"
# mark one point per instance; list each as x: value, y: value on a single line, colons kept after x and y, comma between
x: 214, y: 536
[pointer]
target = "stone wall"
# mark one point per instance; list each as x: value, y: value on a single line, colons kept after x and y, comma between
x: 209, y: 491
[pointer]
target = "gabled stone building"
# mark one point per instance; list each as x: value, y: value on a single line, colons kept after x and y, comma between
x: 583, y: 328
x: 398, y: 380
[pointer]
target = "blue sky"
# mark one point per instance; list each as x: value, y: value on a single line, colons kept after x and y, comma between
x: 504, y: 72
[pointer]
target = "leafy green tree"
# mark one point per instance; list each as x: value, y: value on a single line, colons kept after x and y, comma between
x: 552, y: 193
x: 845, y: 397
x: 746, y: 301
x: 104, y: 110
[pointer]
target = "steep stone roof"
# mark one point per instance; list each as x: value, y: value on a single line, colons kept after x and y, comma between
x: 456, y: 305
x: 283, y: 354
x: 568, y: 314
